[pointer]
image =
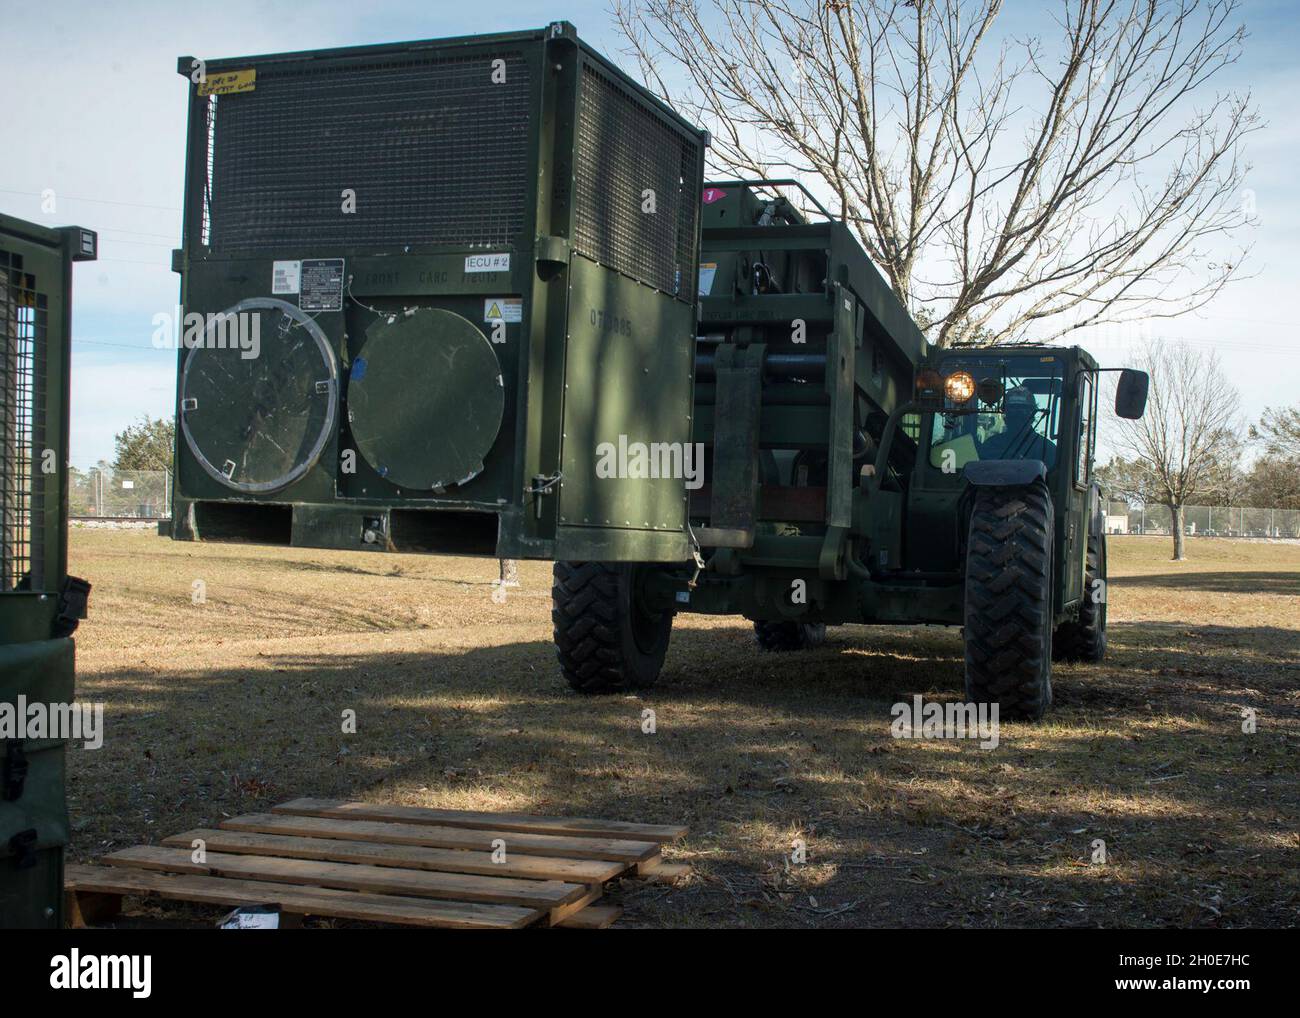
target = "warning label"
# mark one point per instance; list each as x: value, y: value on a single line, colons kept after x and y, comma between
x: 503, y: 309
x: 285, y: 277
x: 707, y: 271
x: 321, y: 285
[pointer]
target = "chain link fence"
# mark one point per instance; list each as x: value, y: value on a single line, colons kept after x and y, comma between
x: 1204, y: 521
x: 146, y: 495
x: 107, y: 493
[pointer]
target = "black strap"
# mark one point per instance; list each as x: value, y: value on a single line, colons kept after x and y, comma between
x: 72, y: 606
x: 14, y: 773
x: 23, y: 847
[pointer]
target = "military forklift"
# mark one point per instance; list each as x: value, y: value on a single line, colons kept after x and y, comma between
x: 856, y: 474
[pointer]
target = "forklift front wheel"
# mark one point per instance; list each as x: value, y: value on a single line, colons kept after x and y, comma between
x: 1009, y: 601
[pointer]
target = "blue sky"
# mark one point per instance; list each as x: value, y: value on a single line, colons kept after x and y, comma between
x: 102, y: 124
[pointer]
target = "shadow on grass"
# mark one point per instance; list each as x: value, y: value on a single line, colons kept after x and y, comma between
x: 750, y: 750
x: 1224, y: 582
x: 1207, y: 665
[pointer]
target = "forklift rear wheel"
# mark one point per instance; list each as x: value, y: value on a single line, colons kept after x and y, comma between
x: 1084, y: 639
x: 1009, y: 601
x: 785, y: 636
x: 607, y: 636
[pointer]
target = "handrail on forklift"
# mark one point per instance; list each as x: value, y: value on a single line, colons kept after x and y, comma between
x: 774, y: 183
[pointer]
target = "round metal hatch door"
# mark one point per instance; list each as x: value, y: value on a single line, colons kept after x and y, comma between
x: 258, y: 395
x: 425, y: 399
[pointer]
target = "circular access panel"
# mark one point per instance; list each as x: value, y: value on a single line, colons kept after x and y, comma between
x: 258, y: 395
x: 425, y: 398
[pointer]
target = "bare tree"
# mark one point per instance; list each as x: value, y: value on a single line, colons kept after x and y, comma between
x: 1188, y: 441
x: 1054, y: 184
x: 1274, y: 479
x: 1274, y: 482
x: 1278, y: 431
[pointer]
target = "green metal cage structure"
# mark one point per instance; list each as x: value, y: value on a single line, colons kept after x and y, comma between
x: 39, y: 603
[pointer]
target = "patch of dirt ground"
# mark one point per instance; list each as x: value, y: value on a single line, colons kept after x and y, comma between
x: 235, y: 703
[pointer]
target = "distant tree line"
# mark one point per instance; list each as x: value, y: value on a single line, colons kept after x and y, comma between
x: 1193, y: 448
x: 1270, y: 481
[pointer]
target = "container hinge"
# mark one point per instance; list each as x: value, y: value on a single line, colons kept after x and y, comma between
x: 14, y: 774
x: 72, y: 606
x: 541, y: 487
x: 23, y: 847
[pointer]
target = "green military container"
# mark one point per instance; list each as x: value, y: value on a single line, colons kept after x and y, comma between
x: 433, y: 278
x: 39, y: 604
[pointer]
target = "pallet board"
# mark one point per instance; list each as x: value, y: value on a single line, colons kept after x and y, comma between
x: 551, y: 895
x: 517, y: 822
x: 415, y: 857
x: 614, y: 850
x: 390, y: 864
x: 384, y: 908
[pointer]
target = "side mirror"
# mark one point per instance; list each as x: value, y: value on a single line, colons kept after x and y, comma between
x: 1131, y: 394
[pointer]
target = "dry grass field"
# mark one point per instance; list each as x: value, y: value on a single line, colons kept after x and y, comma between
x: 231, y: 705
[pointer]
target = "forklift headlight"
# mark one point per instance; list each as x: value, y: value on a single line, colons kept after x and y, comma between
x: 959, y: 387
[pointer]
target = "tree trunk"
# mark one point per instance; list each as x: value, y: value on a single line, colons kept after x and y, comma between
x: 1176, y: 515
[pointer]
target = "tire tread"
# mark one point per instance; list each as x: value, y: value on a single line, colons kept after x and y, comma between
x: 588, y: 622
x: 1009, y: 600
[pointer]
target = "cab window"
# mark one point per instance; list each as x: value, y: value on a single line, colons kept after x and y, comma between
x: 1084, y: 460
x: 1024, y: 426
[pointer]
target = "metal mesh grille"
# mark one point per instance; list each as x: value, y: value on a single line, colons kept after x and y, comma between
x: 23, y: 314
x: 625, y: 150
x: 435, y: 151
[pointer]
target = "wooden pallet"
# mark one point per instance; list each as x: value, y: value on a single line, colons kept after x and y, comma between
x: 391, y: 864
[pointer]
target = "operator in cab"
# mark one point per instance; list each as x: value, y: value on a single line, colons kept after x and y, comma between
x: 1019, y: 439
